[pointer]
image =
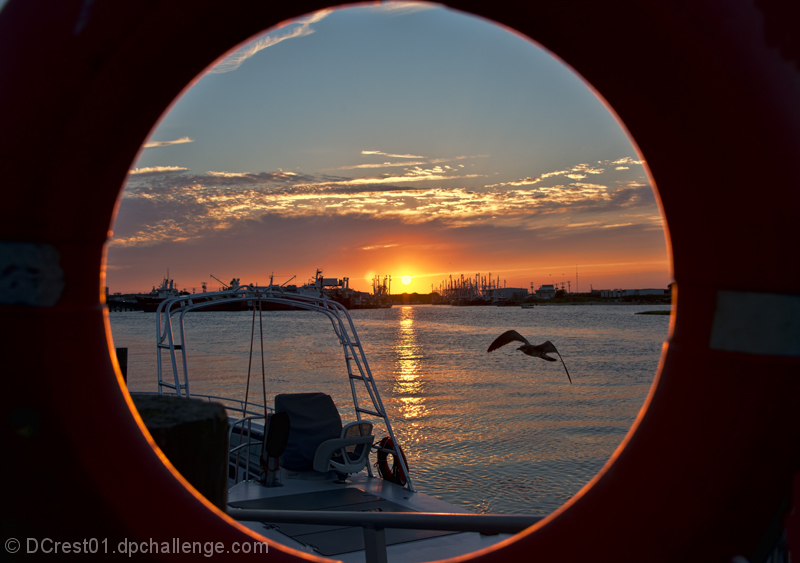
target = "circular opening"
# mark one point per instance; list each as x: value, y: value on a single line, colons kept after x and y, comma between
x: 418, y: 142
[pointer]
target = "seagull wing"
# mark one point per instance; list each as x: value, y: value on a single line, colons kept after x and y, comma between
x: 505, y: 338
x: 548, y: 347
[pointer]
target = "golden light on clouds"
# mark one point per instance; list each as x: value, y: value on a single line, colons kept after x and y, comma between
x: 217, y: 200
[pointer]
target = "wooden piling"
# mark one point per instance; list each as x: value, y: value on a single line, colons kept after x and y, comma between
x: 193, y: 434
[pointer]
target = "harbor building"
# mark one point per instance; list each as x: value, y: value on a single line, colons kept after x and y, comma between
x: 546, y: 291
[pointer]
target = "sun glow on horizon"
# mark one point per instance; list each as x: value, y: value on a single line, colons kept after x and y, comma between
x: 406, y: 279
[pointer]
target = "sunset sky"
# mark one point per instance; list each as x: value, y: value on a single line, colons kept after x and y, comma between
x: 399, y: 139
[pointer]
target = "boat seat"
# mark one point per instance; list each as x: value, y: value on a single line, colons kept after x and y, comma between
x: 348, y: 454
x: 317, y: 440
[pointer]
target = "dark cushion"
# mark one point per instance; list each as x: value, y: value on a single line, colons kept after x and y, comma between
x: 313, y: 418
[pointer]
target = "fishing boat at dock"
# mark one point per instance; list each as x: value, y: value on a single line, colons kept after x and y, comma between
x: 218, y: 301
x: 300, y: 476
x: 149, y: 302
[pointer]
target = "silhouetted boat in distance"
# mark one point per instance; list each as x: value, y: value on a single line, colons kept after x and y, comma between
x: 332, y: 288
x: 149, y: 302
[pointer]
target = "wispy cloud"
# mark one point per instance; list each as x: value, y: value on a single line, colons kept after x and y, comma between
x: 585, y: 224
x: 452, y: 158
x: 378, y: 246
x: 415, y: 174
x: 376, y: 165
x: 390, y: 155
x: 577, y: 172
x: 157, y: 170
x: 627, y: 160
x: 155, y: 144
x: 296, y: 28
x: 381, y: 165
x: 229, y: 174
x: 400, y: 8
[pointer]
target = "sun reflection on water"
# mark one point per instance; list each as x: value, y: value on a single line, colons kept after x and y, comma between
x: 409, y: 385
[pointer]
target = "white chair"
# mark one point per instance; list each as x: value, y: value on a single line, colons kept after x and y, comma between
x: 347, y: 454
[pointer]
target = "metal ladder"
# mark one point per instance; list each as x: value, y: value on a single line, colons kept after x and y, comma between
x: 340, y: 319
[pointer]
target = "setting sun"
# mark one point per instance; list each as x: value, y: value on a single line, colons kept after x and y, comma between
x: 406, y: 280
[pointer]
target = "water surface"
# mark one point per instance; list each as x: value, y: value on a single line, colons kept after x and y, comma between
x: 493, y: 433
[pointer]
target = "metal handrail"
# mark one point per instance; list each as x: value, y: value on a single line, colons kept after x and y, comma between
x: 374, y: 524
x: 241, y: 445
x: 455, y: 522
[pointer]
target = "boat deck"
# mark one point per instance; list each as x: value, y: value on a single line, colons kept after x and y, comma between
x: 361, y: 494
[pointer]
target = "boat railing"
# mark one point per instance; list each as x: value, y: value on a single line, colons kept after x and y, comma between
x: 242, y: 446
x: 374, y: 524
x: 355, y: 359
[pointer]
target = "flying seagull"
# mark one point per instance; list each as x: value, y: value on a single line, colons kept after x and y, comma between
x: 539, y: 351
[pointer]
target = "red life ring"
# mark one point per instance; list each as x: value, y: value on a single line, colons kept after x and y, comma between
x: 709, y: 91
x: 395, y: 473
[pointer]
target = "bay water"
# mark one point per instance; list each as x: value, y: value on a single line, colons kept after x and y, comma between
x: 496, y: 432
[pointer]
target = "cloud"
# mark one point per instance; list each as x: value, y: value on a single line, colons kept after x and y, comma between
x: 296, y: 28
x: 164, y: 178
x: 402, y: 8
x: 379, y: 246
x: 577, y: 172
x: 408, y: 163
x: 157, y: 170
x: 192, y: 210
x: 168, y: 204
x: 415, y: 175
x: 586, y: 224
x: 627, y: 160
x: 588, y: 169
x: 450, y: 159
x: 155, y: 144
x: 393, y: 155
x: 381, y: 165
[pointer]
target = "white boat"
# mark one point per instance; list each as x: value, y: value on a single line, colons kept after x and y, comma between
x: 309, y: 484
